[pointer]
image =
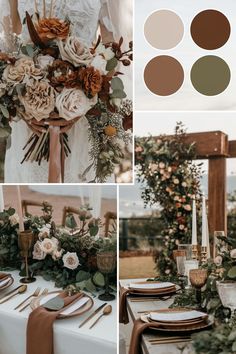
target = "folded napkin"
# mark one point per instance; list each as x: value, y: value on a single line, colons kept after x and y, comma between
x: 123, y: 313
x: 138, y: 329
x: 40, y: 327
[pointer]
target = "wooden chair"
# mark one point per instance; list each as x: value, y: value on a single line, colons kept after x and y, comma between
x: 27, y: 203
x: 109, y: 217
x: 68, y: 210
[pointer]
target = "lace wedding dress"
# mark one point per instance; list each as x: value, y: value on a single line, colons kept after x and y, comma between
x: 85, y: 16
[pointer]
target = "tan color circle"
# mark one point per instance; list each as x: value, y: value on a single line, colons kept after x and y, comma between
x: 164, y: 29
x: 163, y: 75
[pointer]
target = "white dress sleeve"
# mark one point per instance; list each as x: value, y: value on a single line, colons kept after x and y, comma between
x: 5, y: 26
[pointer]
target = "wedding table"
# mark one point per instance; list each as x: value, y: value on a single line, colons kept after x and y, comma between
x: 68, y: 338
x: 134, y: 309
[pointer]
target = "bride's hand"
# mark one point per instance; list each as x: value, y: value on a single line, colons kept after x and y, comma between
x: 41, y: 127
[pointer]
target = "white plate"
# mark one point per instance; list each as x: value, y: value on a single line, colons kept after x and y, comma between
x: 176, y: 316
x: 5, y: 281
x: 151, y: 285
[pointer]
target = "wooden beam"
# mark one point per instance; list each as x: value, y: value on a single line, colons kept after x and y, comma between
x: 232, y: 149
x: 217, y: 195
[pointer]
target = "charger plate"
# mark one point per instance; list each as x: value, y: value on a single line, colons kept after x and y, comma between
x: 69, y: 311
x: 161, y: 292
x: 6, y: 283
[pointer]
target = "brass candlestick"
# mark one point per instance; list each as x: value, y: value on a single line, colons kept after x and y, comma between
x: 204, y: 254
x: 26, y: 242
x: 195, y: 252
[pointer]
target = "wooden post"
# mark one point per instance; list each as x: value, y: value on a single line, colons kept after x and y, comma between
x: 217, y: 195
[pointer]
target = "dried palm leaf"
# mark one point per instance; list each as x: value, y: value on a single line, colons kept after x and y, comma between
x: 33, y: 33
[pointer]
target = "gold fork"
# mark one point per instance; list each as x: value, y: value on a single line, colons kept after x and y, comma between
x: 35, y: 293
x: 44, y: 292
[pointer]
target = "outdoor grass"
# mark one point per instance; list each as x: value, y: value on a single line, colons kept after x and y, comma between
x: 137, y: 267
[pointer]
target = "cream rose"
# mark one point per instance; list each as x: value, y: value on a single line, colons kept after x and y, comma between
x: 48, y: 246
x: 38, y: 252
x: 73, y: 103
x: 187, y: 207
x: 57, y: 254
x: 38, y: 101
x: 233, y: 253
x: 74, y: 51
x: 218, y: 260
x: 44, y: 61
x: 107, y: 53
x: 14, y: 219
x: 71, y: 260
x: 176, y: 181
x: 21, y: 71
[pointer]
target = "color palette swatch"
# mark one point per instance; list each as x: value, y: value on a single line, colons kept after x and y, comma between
x: 164, y: 30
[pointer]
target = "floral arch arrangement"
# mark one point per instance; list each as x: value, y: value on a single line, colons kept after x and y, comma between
x: 170, y: 178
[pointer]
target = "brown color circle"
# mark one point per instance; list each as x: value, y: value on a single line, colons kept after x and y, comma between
x: 210, y: 29
x: 163, y: 75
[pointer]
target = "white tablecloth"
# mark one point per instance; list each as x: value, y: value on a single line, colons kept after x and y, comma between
x: 68, y: 338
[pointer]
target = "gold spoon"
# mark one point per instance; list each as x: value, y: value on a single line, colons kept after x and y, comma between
x: 21, y: 290
x: 106, y: 311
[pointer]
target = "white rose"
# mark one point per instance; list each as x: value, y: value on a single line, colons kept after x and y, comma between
x: 73, y: 103
x: 71, y: 260
x: 233, y: 253
x: 184, y: 184
x: 14, y: 219
x: 176, y: 181
x: 181, y: 227
x: 100, y: 64
x: 74, y: 51
x: 107, y: 53
x: 48, y: 246
x: 218, y: 260
x: 44, y: 61
x: 162, y: 165
x: 38, y: 252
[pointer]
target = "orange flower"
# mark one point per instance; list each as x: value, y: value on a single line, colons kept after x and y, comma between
x: 91, y: 81
x: 110, y: 130
x: 52, y: 28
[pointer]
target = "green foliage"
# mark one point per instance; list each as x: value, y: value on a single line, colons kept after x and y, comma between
x: 170, y: 179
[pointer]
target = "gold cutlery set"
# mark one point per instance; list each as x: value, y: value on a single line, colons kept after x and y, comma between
x: 106, y: 311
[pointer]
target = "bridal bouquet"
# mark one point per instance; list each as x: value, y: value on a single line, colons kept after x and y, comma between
x: 54, y: 81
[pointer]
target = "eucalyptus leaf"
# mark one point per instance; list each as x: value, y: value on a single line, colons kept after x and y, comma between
x: 4, y: 111
x: 71, y: 222
x: 234, y: 347
x: 90, y: 286
x: 118, y: 94
x: 55, y: 304
x: 81, y: 285
x: 82, y: 275
x: 232, y: 272
x: 29, y: 50
x: 93, y: 230
x: 117, y: 84
x: 4, y: 133
x: 99, y: 279
x: 111, y: 64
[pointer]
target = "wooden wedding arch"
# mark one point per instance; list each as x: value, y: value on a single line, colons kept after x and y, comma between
x: 215, y: 147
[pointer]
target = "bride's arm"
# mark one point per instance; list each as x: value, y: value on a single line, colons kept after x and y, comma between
x: 105, y: 23
x: 15, y: 17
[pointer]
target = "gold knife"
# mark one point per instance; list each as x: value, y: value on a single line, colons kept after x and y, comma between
x: 93, y: 314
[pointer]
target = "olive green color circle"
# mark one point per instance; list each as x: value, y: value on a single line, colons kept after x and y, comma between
x: 210, y: 75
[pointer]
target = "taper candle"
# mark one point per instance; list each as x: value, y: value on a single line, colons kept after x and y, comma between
x: 194, y: 224
x: 204, y: 231
x: 1, y: 199
x: 19, y: 210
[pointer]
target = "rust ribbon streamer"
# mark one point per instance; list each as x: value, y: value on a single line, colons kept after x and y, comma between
x: 56, y: 157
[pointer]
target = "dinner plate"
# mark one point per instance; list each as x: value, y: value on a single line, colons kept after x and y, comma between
x: 79, y: 307
x: 4, y: 284
x: 161, y: 292
x: 177, y: 315
x: 151, y: 285
x: 186, y: 328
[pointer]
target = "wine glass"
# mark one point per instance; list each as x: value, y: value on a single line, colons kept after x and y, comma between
x: 106, y: 262
x: 26, y: 242
x: 227, y: 291
x: 198, y: 278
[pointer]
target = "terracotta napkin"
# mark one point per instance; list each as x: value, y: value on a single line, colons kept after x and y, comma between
x: 40, y: 327
x: 138, y: 329
x: 3, y: 275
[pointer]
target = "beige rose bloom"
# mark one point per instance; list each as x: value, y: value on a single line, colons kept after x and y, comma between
x: 71, y: 260
x: 38, y: 252
x: 73, y: 103
x: 39, y: 100
x: 21, y: 71
x: 14, y: 219
x: 48, y: 246
x: 74, y: 51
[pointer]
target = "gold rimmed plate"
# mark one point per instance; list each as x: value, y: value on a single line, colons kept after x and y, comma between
x: 162, y: 292
x: 78, y: 308
x: 5, y: 283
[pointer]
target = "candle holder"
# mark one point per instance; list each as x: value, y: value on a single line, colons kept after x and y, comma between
x: 195, y: 252
x: 204, y: 254
x: 26, y: 242
x: 106, y: 262
x: 198, y: 278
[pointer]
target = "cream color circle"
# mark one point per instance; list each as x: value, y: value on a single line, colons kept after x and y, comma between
x: 164, y: 29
